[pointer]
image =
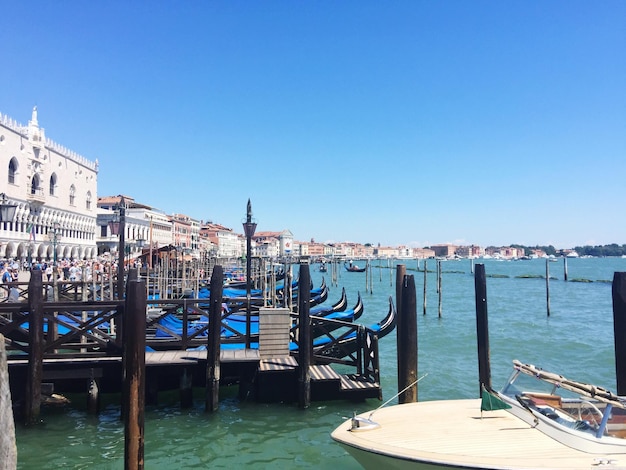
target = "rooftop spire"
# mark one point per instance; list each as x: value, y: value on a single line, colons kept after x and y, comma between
x: 33, y: 119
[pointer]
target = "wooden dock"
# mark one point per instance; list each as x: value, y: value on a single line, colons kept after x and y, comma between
x: 97, y: 347
x: 274, y: 379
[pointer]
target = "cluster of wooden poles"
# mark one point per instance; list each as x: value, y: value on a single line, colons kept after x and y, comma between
x: 408, y: 335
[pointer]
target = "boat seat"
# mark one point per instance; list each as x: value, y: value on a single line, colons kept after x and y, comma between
x: 545, y: 399
x: 617, y: 432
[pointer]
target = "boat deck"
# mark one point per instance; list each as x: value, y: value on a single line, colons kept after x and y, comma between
x: 451, y: 434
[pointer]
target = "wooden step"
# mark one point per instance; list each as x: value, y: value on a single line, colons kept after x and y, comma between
x: 324, y: 373
x: 276, y: 380
x: 355, y: 382
x: 325, y: 383
x: 356, y: 386
x: 278, y: 364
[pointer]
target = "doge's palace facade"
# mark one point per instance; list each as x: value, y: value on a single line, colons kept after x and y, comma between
x: 55, y: 191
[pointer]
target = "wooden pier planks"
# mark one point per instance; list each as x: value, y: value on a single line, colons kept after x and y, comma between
x: 346, y: 384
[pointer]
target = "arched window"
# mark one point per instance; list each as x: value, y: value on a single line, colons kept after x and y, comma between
x: 88, y: 201
x: 72, y: 195
x: 35, y: 185
x: 53, y: 183
x: 12, y: 170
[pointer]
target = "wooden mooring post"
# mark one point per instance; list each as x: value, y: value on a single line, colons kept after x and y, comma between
x: 548, y: 286
x: 32, y: 400
x: 93, y: 394
x: 619, y: 327
x: 400, y: 273
x: 134, y: 377
x: 439, y: 289
x: 213, y: 346
x: 482, y: 328
x: 305, y: 344
x: 8, y: 449
x: 407, y: 343
x: 121, y: 340
x: 425, y: 278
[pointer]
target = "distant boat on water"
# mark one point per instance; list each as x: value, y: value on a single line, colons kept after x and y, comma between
x: 353, y: 268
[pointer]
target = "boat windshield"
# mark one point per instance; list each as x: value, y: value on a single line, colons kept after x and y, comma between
x: 520, y: 383
x: 542, y: 395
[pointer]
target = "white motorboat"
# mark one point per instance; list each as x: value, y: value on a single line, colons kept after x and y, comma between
x: 539, y: 420
x: 582, y: 416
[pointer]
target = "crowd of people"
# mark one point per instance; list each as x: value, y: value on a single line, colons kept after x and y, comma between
x: 66, y: 270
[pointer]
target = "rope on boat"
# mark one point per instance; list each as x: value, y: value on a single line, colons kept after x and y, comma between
x: 359, y: 424
x: 397, y: 395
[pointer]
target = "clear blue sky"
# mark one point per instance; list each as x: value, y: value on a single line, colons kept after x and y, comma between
x: 401, y: 122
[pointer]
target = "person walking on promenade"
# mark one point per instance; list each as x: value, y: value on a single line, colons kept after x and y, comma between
x: 48, y: 271
x: 6, y: 278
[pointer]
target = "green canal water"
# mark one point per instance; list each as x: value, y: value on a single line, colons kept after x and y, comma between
x: 576, y: 340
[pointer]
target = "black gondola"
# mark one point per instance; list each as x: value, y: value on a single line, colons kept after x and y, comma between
x: 353, y: 268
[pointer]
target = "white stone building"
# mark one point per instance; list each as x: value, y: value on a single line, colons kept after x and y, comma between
x: 55, y: 191
x: 274, y: 244
x: 144, y: 226
x: 227, y: 243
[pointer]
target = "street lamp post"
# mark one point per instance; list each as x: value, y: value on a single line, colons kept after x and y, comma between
x: 35, y: 209
x: 140, y: 244
x: 54, y: 238
x: 249, y: 228
x: 118, y: 227
x: 150, y: 258
x: 7, y: 210
x: 178, y: 275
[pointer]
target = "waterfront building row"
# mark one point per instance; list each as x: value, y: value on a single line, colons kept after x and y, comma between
x: 60, y: 216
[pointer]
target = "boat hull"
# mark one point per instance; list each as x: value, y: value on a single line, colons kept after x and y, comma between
x: 373, y: 461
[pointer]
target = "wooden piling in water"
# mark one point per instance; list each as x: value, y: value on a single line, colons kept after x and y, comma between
x: 121, y: 338
x: 425, y: 277
x: 8, y: 449
x: 32, y: 401
x: 400, y: 273
x: 619, y: 327
x: 482, y: 328
x: 548, y: 286
x: 440, y: 290
x: 565, y: 268
x: 134, y: 383
x: 93, y: 394
x: 186, y: 389
x: 407, y: 343
x: 213, y: 346
x: 305, y: 344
